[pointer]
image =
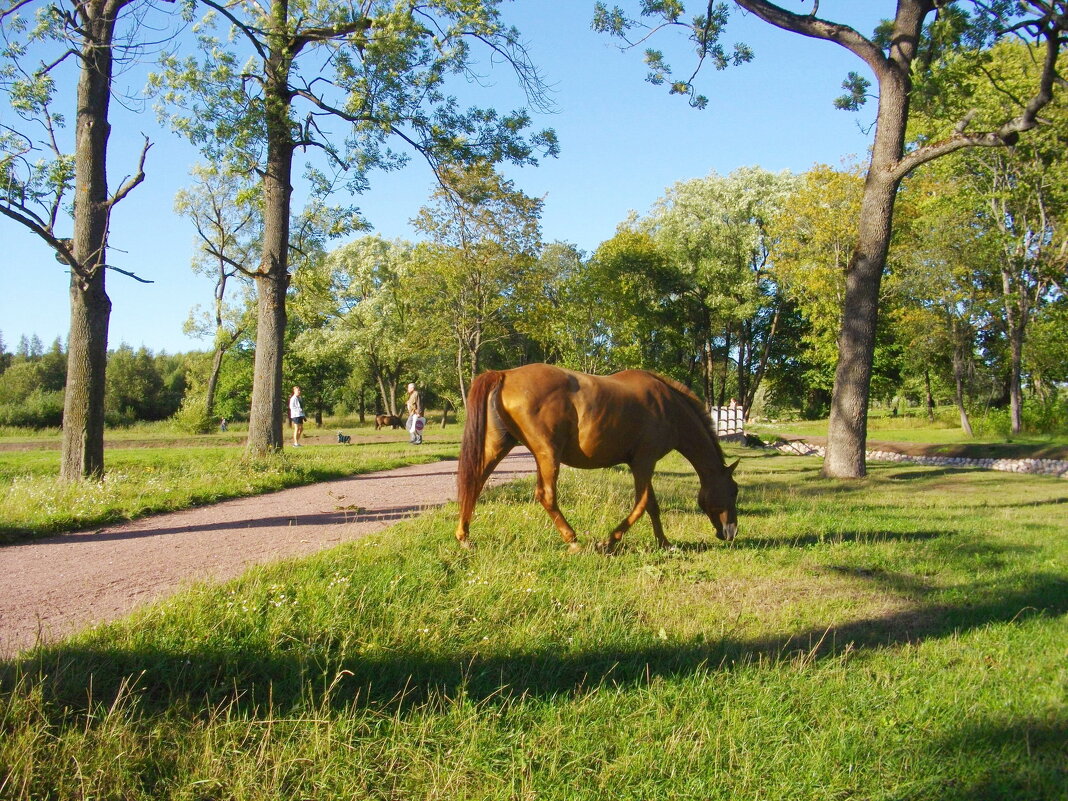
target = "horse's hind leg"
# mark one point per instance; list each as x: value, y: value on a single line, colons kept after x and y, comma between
x: 548, y: 471
x: 498, y: 445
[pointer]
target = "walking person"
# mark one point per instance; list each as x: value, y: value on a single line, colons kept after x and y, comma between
x: 296, y: 416
x: 414, y: 405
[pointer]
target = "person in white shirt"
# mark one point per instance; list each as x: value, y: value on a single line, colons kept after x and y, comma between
x: 296, y: 416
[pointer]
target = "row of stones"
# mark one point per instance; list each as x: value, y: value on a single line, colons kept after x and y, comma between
x: 1049, y: 467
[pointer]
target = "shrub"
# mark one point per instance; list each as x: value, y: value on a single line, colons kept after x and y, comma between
x: 40, y: 409
x: 192, y: 417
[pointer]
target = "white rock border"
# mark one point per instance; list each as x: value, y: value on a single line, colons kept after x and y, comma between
x: 1048, y: 467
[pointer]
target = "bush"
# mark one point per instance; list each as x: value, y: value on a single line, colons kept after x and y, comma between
x: 192, y: 417
x: 1039, y: 417
x: 1046, y: 417
x: 40, y: 409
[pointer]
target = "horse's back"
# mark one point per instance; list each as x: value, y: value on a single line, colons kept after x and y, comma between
x: 587, y: 420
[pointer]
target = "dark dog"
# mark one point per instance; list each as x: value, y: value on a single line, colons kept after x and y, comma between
x: 391, y: 420
x: 343, y: 439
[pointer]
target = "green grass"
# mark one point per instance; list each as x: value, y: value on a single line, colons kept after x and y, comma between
x: 165, y: 431
x: 899, y: 637
x: 935, y: 437
x: 145, y: 480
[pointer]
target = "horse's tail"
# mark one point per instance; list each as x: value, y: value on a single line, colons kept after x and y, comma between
x: 469, y: 477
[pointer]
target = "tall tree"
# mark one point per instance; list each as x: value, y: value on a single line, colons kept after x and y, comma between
x: 715, y: 232
x: 814, y: 234
x: 938, y: 279
x: 38, y: 173
x: 568, y: 323
x: 1019, y: 198
x: 225, y: 212
x: 378, y: 68
x: 368, y: 307
x: 635, y: 285
x: 906, y: 56
x: 482, y: 261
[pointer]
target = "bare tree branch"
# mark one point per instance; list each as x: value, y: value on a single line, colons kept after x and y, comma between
x: 128, y: 273
x: 130, y: 183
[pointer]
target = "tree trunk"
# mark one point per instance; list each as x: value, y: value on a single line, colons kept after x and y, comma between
x: 1015, y: 320
x: 762, y: 365
x: 726, y: 368
x: 709, y: 368
x: 460, y: 373
x: 82, y: 448
x: 930, y: 395
x: 744, y: 355
x: 391, y: 389
x: 213, y: 381
x: 268, y: 410
x: 958, y: 381
x: 847, y: 429
x: 83, y: 403
x: 272, y: 278
x: 383, y: 397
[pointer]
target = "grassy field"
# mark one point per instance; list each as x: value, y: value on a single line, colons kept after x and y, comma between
x: 899, y: 637
x: 932, y: 437
x: 157, y: 470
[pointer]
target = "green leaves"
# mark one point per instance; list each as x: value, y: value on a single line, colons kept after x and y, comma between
x: 856, y: 86
x: 703, y: 30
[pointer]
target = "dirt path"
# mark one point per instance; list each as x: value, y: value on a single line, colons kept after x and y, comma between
x: 53, y: 587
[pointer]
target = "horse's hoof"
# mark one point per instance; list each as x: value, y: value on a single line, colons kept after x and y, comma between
x: 574, y: 548
x: 465, y: 544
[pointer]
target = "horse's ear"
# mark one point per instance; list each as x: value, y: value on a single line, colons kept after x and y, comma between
x: 730, y: 468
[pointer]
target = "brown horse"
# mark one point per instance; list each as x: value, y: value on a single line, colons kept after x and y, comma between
x: 391, y: 420
x: 564, y: 417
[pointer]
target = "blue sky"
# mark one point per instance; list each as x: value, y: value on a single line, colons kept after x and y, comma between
x: 623, y: 142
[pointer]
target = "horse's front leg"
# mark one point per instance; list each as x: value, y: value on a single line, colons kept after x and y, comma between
x: 644, y: 501
x: 548, y: 471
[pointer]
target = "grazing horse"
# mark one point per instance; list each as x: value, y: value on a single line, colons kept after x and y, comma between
x: 391, y: 420
x: 564, y: 417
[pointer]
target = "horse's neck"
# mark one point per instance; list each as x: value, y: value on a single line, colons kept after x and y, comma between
x: 698, y: 448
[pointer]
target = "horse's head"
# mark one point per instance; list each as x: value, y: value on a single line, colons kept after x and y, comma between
x: 719, y: 500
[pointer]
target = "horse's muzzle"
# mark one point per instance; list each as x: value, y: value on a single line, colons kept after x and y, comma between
x: 730, y: 531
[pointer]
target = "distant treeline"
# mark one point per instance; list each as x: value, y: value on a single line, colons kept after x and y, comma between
x: 140, y: 385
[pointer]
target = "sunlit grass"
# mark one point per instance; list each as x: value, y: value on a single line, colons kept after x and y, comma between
x: 899, y: 637
x: 141, y: 481
x: 166, y: 431
x: 909, y: 429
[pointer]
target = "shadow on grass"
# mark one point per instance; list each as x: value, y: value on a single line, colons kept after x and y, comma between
x: 917, y: 475
x: 1043, y: 775
x: 249, y: 675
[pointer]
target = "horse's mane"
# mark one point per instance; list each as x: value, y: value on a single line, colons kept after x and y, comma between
x: 698, y: 408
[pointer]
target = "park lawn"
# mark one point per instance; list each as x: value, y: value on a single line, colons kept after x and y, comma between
x: 146, y: 480
x: 899, y: 637
x: 931, y: 437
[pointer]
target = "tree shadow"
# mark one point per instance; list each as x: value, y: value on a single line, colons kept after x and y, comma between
x: 327, y: 670
x: 1035, y: 766
x: 917, y: 474
x: 338, y: 516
